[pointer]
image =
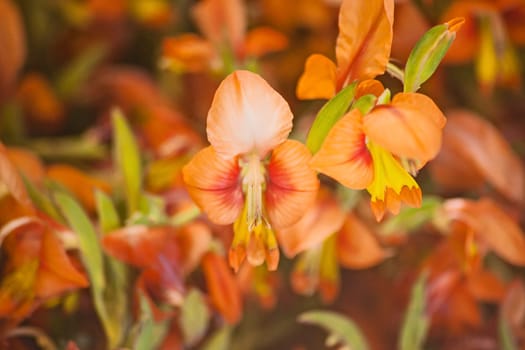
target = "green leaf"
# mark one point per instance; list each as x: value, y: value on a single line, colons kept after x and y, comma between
x: 107, y: 214
x: 506, y: 338
x: 365, y: 103
x: 331, y: 112
x: 127, y: 159
x: 151, y: 333
x: 415, y: 324
x: 194, y: 317
x: 75, y: 74
x: 93, y: 260
x: 220, y: 340
x: 41, y: 201
x: 410, y: 219
x: 87, y: 237
x: 428, y: 53
x: 341, y: 329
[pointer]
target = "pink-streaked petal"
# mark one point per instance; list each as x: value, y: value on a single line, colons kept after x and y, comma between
x: 247, y: 115
x: 292, y: 184
x: 214, y: 184
x: 343, y: 155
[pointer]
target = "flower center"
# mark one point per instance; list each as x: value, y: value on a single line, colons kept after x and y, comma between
x: 253, y: 234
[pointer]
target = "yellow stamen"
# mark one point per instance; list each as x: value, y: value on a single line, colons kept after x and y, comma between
x: 254, y: 238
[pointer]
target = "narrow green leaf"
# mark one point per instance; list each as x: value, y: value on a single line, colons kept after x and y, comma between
x: 428, y: 53
x: 341, y: 329
x: 87, y: 237
x: 151, y: 333
x: 194, y: 317
x: 506, y: 338
x: 41, y: 201
x: 93, y: 261
x: 220, y: 340
x: 410, y: 219
x: 331, y: 112
x: 365, y: 103
x: 415, y: 324
x: 127, y: 159
x: 107, y: 214
x: 74, y: 75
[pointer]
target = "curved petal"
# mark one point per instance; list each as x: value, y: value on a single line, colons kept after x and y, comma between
x: 365, y: 39
x: 320, y: 221
x: 357, y: 247
x: 247, y: 115
x: 343, y: 155
x: 411, y: 126
x: 318, y: 79
x: 56, y: 273
x: 369, y: 86
x: 264, y: 40
x: 292, y: 185
x: 214, y: 184
x: 221, y: 20
x: 187, y: 53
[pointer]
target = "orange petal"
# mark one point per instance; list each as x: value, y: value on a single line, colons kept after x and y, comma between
x: 486, y: 286
x: 320, y: 221
x: 247, y: 115
x: 474, y: 150
x: 357, y: 247
x: 214, y: 184
x: 10, y: 177
x: 56, y: 273
x: 224, y: 291
x: 263, y: 40
x: 187, y: 53
x: 80, y: 184
x: 410, y: 126
x: 369, y: 86
x: 364, y: 41
x: 140, y: 245
x: 492, y: 227
x: 28, y: 163
x: 466, y: 45
x: 221, y: 20
x: 292, y: 185
x: 12, y: 42
x: 318, y: 79
x: 343, y: 155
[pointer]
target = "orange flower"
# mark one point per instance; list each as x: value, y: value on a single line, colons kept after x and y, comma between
x: 372, y: 151
x: 326, y: 237
x: 37, y: 268
x: 362, y: 49
x: 251, y: 174
x: 492, y: 28
x: 226, y: 43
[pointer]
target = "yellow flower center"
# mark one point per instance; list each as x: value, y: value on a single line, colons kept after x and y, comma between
x: 253, y: 234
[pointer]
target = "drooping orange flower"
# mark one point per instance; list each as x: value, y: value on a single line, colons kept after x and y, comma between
x: 492, y: 29
x: 362, y: 50
x: 37, y: 268
x: 374, y: 150
x: 251, y: 175
x: 325, y: 238
x: 223, y: 25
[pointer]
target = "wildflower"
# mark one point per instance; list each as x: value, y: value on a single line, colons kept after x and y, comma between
x: 362, y: 50
x: 251, y: 175
x: 373, y: 151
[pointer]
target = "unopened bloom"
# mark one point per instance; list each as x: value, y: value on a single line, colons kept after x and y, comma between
x: 251, y: 175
